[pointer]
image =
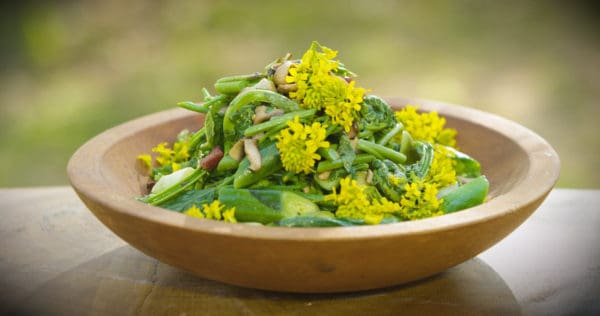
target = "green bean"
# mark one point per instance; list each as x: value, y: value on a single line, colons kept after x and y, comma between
x: 234, y: 84
x: 467, y: 195
x: 265, y: 206
x: 204, y: 107
x: 386, y: 138
x: 381, y: 151
x: 270, y: 164
x: 338, y: 163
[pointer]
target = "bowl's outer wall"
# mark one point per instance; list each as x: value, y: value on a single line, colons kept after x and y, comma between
x: 266, y: 257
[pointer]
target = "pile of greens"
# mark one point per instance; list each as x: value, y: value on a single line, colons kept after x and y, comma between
x: 300, y: 145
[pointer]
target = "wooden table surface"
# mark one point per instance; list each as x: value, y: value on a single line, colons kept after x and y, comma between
x: 57, y: 259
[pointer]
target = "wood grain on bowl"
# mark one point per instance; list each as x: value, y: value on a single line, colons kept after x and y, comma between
x: 521, y: 166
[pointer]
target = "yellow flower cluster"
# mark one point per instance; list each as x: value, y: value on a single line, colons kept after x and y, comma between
x: 214, y: 211
x: 420, y: 200
x: 441, y: 172
x: 427, y: 127
x: 168, y: 156
x: 353, y: 202
x: 319, y: 88
x: 298, y: 145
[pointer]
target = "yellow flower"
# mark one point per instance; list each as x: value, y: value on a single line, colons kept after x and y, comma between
x: 394, y: 180
x: 353, y: 202
x: 165, y: 154
x: 146, y: 160
x: 298, y: 145
x: 319, y: 88
x: 229, y: 215
x: 343, y: 102
x: 172, y: 156
x: 442, y: 172
x: 420, y: 200
x: 427, y: 127
x: 214, y: 211
x: 194, y: 212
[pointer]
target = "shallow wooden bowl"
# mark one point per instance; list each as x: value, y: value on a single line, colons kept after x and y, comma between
x: 521, y: 166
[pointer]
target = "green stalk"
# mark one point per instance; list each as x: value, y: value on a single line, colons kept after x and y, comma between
x: 177, y: 188
x: 203, y: 107
x: 234, y: 84
x: 335, y: 164
x: 197, y: 137
x: 386, y: 138
x: 379, y: 150
x: 264, y: 126
x: 189, y: 105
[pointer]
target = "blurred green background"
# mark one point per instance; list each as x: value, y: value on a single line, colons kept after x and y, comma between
x: 73, y: 69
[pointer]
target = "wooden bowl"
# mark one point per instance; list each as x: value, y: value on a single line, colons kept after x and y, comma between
x: 521, y: 166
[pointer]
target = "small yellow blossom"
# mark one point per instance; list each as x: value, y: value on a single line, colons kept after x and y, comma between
x: 214, y: 210
x: 146, y: 160
x: 441, y: 172
x: 298, y: 145
x: 394, y: 180
x: 420, y: 200
x: 343, y: 102
x: 171, y: 156
x: 353, y: 202
x: 229, y: 215
x: 194, y: 212
x: 427, y: 127
x: 319, y: 88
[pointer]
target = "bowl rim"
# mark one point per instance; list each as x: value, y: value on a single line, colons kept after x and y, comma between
x: 88, y: 181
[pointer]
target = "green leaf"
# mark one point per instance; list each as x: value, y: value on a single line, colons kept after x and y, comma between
x: 187, y: 199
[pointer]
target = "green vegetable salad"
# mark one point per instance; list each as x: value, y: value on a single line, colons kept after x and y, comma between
x: 300, y: 144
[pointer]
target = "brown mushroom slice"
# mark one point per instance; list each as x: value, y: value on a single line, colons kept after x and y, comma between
x: 281, y: 72
x: 237, y: 150
x: 261, y: 114
x: 252, y: 153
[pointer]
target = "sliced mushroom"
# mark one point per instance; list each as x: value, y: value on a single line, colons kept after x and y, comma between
x: 261, y: 114
x: 265, y: 84
x: 287, y: 88
x: 281, y: 72
x: 237, y: 150
x: 324, y: 175
x: 252, y: 153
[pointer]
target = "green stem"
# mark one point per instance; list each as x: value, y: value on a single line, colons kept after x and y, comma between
x: 386, y: 138
x: 278, y: 120
x: 177, y: 188
x: 234, y: 84
x: 197, y: 137
x: 376, y: 149
x: 203, y: 107
x: 335, y: 164
x: 189, y: 105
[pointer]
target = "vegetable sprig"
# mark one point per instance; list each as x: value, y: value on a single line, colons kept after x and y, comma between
x: 300, y: 144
